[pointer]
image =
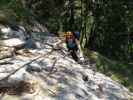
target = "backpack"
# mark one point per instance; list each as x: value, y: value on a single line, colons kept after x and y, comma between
x: 77, y: 35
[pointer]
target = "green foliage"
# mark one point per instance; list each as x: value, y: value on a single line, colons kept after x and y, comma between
x: 59, y: 15
x: 13, y: 11
x: 111, y: 33
x: 121, y: 72
x: 118, y: 71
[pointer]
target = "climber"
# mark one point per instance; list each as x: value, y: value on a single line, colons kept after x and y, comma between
x: 72, y: 45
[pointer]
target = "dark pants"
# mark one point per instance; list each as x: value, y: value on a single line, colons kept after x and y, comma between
x: 73, y: 52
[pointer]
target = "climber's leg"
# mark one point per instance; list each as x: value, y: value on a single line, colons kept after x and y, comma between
x: 74, y: 55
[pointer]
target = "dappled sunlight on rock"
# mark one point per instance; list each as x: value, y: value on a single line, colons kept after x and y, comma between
x: 13, y: 42
x: 58, y: 76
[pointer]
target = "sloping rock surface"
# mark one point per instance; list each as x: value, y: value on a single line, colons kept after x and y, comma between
x: 57, y: 76
x: 14, y: 42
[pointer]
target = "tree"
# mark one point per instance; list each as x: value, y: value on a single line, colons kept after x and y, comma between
x: 111, y: 32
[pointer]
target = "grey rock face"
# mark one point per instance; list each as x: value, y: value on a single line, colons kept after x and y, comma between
x: 13, y: 42
x: 8, y: 32
x: 64, y: 79
x: 34, y: 68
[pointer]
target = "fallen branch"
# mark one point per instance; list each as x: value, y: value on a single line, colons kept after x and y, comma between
x: 5, y: 63
x: 52, y: 68
x: 52, y: 91
x: 58, y: 48
x: 6, y: 78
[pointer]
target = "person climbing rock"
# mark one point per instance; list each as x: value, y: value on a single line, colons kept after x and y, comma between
x: 72, y: 45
